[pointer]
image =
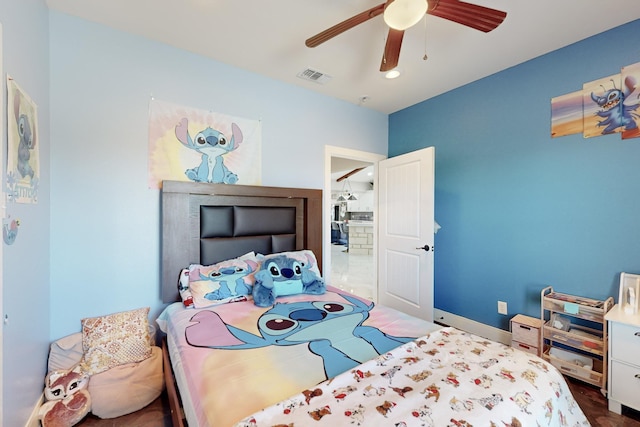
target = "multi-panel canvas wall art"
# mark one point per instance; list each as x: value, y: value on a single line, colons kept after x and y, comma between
x: 604, y: 106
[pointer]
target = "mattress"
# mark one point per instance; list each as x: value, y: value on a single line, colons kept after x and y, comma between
x: 234, y: 359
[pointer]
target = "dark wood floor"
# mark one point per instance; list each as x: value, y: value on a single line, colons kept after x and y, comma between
x: 595, y: 407
x: 592, y: 402
x: 156, y: 414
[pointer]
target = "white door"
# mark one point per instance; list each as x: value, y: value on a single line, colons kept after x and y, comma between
x: 405, y: 227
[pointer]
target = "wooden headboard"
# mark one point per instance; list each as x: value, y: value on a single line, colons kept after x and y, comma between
x: 209, y: 223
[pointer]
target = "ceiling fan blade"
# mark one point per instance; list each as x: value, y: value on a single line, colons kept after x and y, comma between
x: 478, y: 17
x: 392, y: 50
x: 345, y: 25
x: 348, y: 174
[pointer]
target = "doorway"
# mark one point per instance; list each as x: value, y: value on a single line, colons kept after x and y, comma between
x: 350, y: 226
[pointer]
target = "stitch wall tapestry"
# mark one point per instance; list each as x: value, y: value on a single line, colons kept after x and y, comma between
x: 604, y: 106
x: 23, y: 156
x: 189, y: 144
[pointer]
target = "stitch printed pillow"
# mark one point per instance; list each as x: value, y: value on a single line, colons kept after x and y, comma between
x: 183, y: 288
x: 286, y: 273
x: 224, y: 282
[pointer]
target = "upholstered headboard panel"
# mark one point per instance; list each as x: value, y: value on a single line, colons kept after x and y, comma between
x: 208, y: 223
x: 226, y: 230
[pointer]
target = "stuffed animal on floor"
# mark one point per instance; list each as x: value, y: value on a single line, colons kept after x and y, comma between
x: 68, y: 401
x: 283, y: 275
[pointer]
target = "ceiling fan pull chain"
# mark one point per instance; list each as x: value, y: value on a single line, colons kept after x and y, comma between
x: 424, y: 58
x: 384, y: 42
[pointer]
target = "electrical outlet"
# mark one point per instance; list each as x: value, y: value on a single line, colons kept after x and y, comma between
x: 502, y: 307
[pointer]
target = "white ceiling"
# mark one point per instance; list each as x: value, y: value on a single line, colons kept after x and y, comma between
x: 267, y: 37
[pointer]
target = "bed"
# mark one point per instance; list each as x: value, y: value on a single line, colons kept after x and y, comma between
x: 328, y: 358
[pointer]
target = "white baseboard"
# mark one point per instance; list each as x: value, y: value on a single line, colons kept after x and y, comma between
x: 472, y: 326
x: 34, y: 419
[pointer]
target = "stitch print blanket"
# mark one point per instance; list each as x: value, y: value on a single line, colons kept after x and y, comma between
x: 239, y: 358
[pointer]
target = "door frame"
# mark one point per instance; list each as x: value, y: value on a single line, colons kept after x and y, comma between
x: 364, y: 156
x: 3, y: 213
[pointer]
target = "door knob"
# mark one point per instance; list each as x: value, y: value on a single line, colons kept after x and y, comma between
x: 425, y: 247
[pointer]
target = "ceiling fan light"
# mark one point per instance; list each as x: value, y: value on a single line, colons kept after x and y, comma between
x: 392, y: 74
x: 402, y: 14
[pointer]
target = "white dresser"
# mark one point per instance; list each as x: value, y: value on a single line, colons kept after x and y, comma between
x: 624, y: 359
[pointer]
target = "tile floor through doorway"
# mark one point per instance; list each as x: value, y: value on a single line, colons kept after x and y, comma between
x: 352, y: 272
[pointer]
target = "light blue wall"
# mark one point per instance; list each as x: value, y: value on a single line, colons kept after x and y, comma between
x: 25, y: 264
x: 104, y: 220
x: 520, y: 210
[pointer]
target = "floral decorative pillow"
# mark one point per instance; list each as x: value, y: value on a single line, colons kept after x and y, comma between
x: 224, y: 282
x: 286, y: 273
x: 115, y: 339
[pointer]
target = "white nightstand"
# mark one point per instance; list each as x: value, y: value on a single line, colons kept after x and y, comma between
x: 624, y: 360
x: 525, y: 333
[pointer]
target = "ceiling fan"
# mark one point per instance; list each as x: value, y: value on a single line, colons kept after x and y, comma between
x: 409, y: 12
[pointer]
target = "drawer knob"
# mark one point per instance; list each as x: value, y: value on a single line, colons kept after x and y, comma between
x: 528, y: 328
x: 637, y: 334
x: 637, y: 376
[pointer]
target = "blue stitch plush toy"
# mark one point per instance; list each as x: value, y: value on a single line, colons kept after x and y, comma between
x: 284, y: 275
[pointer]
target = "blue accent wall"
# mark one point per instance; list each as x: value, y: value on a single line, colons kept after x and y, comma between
x: 520, y: 210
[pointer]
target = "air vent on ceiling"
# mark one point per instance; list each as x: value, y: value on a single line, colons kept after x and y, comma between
x: 314, y: 76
